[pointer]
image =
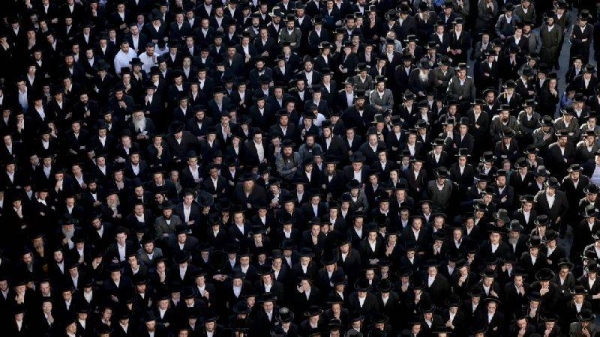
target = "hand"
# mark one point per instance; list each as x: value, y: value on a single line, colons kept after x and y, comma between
x: 20, y: 298
x: 585, y: 332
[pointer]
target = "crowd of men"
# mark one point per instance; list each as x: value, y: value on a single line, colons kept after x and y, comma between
x: 211, y: 168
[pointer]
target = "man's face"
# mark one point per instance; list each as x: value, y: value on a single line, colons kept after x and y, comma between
x: 562, y: 141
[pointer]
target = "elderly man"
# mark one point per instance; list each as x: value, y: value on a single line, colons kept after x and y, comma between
x: 142, y: 127
x: 422, y: 80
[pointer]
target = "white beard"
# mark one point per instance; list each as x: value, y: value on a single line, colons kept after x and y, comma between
x: 140, y: 125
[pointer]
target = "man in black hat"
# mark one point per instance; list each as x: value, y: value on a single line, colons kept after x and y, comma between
x: 461, y: 87
x: 359, y: 114
x: 569, y: 123
x: 552, y: 37
x: 440, y: 190
x: 561, y: 154
x: 248, y: 193
x: 585, y: 324
x: 553, y: 203
x: 583, y: 231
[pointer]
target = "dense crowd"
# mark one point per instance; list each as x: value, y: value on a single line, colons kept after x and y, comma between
x: 255, y: 168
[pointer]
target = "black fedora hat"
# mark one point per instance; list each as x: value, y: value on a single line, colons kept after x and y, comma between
x: 242, y: 308
x: 285, y: 315
x: 590, y: 211
x: 362, y: 285
x: 535, y: 241
x: 404, y: 272
x: 441, y: 172
x: 354, y: 184
x: 313, y: 310
x: 205, y: 199
x: 385, y: 286
x: 591, y: 189
x: 544, y: 274
x: 358, y: 157
x: 585, y: 315
x: 552, y: 182
x: 176, y: 127
x: 306, y: 252
x: 578, y: 290
x: 181, y: 256
x: 564, y: 262
x: 542, y: 220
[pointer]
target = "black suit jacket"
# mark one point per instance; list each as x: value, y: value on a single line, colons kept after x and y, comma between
x: 370, y: 305
x: 559, y: 208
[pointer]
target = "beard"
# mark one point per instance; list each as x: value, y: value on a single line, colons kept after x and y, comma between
x: 139, y: 124
x: 68, y: 234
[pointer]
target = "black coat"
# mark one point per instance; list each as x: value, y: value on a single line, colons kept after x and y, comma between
x: 559, y: 208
